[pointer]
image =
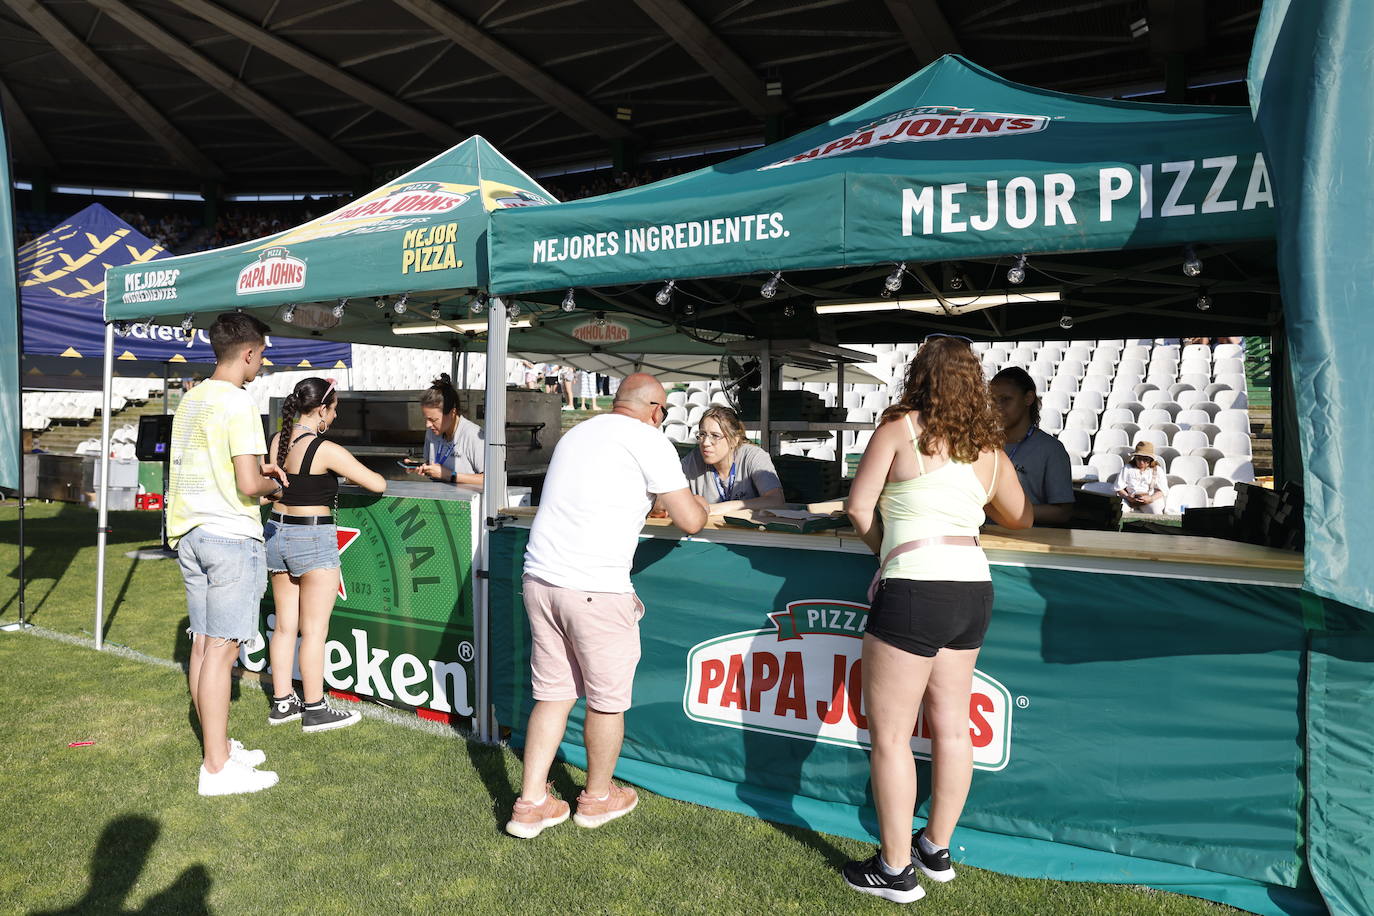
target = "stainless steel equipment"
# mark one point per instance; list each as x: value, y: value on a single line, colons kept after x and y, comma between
x: 381, y: 427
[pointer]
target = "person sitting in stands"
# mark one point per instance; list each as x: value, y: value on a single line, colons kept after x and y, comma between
x: 726, y: 473
x: 1142, y: 483
x: 1042, y: 464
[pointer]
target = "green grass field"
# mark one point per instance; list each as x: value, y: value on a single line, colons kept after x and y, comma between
x: 384, y: 817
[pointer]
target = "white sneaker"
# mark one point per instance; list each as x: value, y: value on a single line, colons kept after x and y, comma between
x: 235, y: 779
x: 240, y: 754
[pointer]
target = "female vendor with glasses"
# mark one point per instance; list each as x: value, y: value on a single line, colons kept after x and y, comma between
x: 455, y: 449
x: 726, y: 473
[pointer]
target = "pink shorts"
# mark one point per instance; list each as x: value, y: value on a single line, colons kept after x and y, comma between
x: 585, y: 644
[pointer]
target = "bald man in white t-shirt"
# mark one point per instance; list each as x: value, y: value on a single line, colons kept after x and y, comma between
x: 584, y: 616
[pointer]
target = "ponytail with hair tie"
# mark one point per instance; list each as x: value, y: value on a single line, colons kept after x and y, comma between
x: 441, y: 394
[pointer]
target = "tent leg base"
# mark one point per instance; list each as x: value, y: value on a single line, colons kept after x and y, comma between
x: 16, y: 627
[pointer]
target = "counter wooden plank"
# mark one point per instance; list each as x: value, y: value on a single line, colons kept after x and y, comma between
x: 1071, y: 542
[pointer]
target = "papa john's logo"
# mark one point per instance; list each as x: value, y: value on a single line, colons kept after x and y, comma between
x: 928, y: 122
x: 274, y: 270
x: 802, y: 677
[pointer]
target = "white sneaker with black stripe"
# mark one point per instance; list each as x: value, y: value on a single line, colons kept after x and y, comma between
x: 869, y: 877
x: 934, y: 865
x: 321, y: 717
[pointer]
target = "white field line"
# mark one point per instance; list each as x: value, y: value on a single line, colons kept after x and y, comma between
x: 368, y: 710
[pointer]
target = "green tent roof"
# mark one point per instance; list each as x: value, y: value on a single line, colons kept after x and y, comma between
x: 954, y: 162
x: 423, y: 234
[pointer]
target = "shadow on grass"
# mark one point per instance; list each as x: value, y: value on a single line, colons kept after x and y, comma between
x: 114, y: 606
x: 50, y: 545
x: 489, y: 762
x: 119, y: 858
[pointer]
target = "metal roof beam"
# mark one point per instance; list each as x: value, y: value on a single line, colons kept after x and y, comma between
x: 180, y: 148
x: 925, y: 28
x: 322, y: 70
x: 28, y: 145
x: 515, y: 67
x: 202, y: 67
x: 707, y: 49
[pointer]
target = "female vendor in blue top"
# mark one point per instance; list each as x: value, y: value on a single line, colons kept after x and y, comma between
x: 1041, y: 463
x: 727, y: 473
x: 455, y: 449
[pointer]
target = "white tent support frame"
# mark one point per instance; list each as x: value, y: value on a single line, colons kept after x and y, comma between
x: 493, y: 498
x: 103, y: 523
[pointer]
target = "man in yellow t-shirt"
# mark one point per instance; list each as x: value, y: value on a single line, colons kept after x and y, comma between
x: 217, y: 477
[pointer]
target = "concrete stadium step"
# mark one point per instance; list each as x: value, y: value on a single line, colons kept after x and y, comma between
x: 64, y: 436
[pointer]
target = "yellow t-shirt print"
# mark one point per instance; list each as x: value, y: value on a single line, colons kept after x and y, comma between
x: 214, y: 422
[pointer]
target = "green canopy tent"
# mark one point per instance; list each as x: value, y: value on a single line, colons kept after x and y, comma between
x: 940, y: 186
x: 360, y: 274
x: 954, y: 165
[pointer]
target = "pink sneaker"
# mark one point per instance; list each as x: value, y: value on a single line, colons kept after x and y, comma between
x: 528, y: 820
x: 593, y: 812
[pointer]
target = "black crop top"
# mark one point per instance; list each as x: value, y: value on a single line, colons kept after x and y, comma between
x: 310, y: 489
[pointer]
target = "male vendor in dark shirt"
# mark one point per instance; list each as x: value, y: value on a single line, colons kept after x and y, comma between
x: 1041, y: 462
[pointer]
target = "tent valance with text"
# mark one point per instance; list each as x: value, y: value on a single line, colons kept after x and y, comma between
x: 954, y: 162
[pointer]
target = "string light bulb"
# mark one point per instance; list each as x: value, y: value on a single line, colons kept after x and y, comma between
x: 478, y: 303
x: 1066, y: 321
x: 434, y: 312
x: 188, y: 325
x: 1016, y: 274
x: 513, y: 311
x: 789, y: 311
x: 600, y: 319
x: 688, y: 309
x: 770, y: 286
x: 400, y: 304
x: 569, y: 301
x: 894, y: 279
x: 1204, y: 301
x: 1192, y: 264
x: 379, y: 302
x: 338, y: 309
x: 665, y: 295
x: 290, y: 314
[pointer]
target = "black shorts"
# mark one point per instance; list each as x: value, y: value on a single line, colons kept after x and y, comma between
x: 923, y: 617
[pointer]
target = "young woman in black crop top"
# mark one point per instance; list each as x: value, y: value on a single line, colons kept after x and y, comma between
x: 303, y: 551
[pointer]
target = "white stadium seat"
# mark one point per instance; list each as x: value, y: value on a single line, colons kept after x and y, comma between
x: 1188, y: 496
x: 1189, y: 467
x: 1241, y: 470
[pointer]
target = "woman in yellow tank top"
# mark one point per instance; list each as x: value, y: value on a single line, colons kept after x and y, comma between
x: 933, y: 470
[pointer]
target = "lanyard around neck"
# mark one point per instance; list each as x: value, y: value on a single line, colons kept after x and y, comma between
x: 1017, y: 447
x: 729, y: 487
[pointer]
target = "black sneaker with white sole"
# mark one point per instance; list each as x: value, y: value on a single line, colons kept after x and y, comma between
x: 321, y: 717
x: 934, y: 865
x: 284, y: 709
x: 868, y: 877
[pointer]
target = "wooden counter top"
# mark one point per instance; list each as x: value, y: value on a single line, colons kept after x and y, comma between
x: 1127, y: 547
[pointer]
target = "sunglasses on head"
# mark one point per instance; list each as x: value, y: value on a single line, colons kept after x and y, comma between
x: 937, y: 335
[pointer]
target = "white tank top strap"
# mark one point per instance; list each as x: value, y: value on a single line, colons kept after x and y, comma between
x: 915, y: 443
x: 996, y: 463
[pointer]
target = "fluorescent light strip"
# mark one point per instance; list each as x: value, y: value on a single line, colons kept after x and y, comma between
x: 931, y: 303
x: 448, y: 327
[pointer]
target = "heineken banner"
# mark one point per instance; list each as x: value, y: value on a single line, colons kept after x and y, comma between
x: 1141, y: 730
x: 10, y: 407
x: 954, y: 162
x: 401, y: 632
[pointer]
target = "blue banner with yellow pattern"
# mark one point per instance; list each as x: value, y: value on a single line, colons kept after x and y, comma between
x: 62, y: 284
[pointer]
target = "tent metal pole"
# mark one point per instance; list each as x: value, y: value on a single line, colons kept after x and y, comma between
x: 102, y: 525
x: 493, y: 498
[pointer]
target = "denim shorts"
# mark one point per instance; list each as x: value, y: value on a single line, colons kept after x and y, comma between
x: 225, y: 578
x: 298, y: 549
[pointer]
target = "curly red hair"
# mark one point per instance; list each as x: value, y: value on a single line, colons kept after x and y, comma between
x: 945, y: 383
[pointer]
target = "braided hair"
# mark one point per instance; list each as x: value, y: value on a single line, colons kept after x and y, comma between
x: 441, y: 394
x: 309, y: 394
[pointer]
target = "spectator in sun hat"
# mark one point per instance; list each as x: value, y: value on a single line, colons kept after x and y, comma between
x: 1141, y: 483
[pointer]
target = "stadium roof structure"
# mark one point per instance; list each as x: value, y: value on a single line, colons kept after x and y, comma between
x: 339, y: 95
